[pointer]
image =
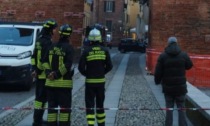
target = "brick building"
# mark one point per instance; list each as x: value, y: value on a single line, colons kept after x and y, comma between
x: 110, y: 13
x: 189, y: 21
x: 63, y: 11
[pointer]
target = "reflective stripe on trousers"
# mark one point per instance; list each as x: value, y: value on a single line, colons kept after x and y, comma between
x: 96, y: 80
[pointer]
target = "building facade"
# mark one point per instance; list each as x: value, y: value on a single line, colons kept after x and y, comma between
x: 136, y: 20
x: 142, y: 20
x: 110, y: 14
x: 131, y: 12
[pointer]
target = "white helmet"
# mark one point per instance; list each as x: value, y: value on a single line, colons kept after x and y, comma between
x: 94, y: 35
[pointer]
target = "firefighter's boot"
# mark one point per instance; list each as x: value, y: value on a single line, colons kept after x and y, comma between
x: 101, y: 124
x: 37, y: 117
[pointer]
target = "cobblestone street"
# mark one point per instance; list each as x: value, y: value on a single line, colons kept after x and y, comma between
x: 137, y: 94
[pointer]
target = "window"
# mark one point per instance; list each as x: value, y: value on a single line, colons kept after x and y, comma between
x: 109, y: 6
x: 109, y: 25
x: 16, y: 36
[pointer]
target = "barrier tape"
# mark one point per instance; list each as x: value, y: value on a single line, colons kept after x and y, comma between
x: 80, y: 108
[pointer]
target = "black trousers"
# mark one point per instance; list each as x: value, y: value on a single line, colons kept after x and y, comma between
x: 40, y: 101
x: 180, y: 103
x: 94, y: 97
x: 59, y: 97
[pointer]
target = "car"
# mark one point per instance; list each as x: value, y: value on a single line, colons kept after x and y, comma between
x: 130, y: 44
x: 17, y: 41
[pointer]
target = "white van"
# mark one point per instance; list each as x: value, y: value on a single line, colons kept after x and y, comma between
x: 17, y: 42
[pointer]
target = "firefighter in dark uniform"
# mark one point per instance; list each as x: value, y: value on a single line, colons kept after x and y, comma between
x: 57, y: 64
x: 42, y: 44
x: 94, y: 63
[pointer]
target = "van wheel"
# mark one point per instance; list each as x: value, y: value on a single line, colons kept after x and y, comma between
x: 27, y: 85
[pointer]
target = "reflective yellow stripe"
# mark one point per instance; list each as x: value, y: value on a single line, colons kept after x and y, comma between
x: 38, y: 105
x: 59, y: 83
x: 63, y: 70
x: 96, y: 57
x: 45, y: 25
x: 39, y: 64
x: 50, y: 59
x: 94, y: 38
x: 52, y: 117
x: 101, y: 115
x: 90, y: 116
x: 46, y: 66
x: 90, y: 119
x: 62, y: 67
x: 90, y: 122
x: 42, y: 75
x: 49, y: 22
x: 64, y: 117
x: 64, y: 33
x: 101, y: 80
x: 100, y: 120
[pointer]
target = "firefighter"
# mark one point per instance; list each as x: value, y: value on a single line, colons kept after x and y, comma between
x: 57, y: 64
x: 94, y: 63
x: 42, y: 44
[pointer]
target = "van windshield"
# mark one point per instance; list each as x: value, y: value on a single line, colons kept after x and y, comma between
x: 16, y: 36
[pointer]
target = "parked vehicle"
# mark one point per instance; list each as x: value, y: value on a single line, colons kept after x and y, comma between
x: 129, y: 44
x: 17, y: 41
x: 108, y: 42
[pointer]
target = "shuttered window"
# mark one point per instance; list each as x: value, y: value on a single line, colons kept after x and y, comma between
x: 109, y: 6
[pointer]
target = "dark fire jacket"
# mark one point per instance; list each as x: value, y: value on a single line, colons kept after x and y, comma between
x: 59, y: 59
x: 94, y: 63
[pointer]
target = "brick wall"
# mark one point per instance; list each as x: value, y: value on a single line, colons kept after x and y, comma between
x: 189, y: 20
x: 32, y: 10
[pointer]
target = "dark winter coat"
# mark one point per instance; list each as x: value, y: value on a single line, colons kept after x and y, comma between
x: 42, y: 45
x: 94, y: 63
x: 171, y: 69
x: 59, y: 60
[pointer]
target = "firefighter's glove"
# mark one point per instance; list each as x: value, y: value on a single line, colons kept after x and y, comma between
x: 34, y: 74
x: 57, y: 74
x: 51, y: 76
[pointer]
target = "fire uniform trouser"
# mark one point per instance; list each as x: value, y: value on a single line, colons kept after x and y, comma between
x: 59, y: 97
x: 95, y: 94
x: 40, y: 101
